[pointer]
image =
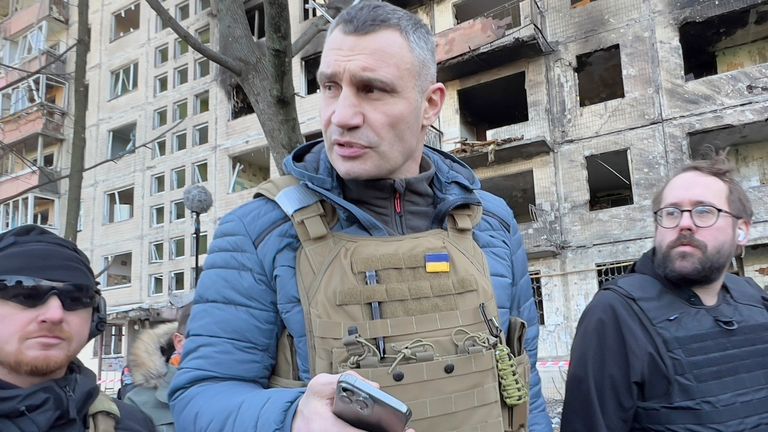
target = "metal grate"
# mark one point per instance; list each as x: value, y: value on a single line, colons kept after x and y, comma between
x: 537, y: 296
x: 611, y: 270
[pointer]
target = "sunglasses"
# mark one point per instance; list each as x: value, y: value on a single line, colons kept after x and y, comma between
x: 33, y: 292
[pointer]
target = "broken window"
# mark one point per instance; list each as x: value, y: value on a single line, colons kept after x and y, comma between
x: 126, y: 21
x: 124, y: 80
x: 31, y: 44
x: 158, y: 148
x: 493, y: 104
x: 204, y: 35
x: 178, y: 178
x: 156, y: 252
x: 182, y: 11
x: 118, y: 272
x: 201, y: 134
x: 156, y: 284
x: 112, y: 340
x: 537, y: 295
x: 161, y: 84
x: 122, y: 140
x: 200, y: 172
x: 15, y: 213
x: 161, y: 55
x: 310, y: 65
x: 249, y: 169
x: 201, y: 102
x: 241, y: 105
x: 160, y: 118
x: 202, y: 68
x: 28, y: 209
x: 506, y: 11
x: 158, y: 184
x: 179, y: 110
x: 34, y: 90
x: 517, y: 190
x: 611, y: 270
x: 308, y: 12
x: 724, y: 43
x: 178, y: 211
x: 177, y: 281
x: 180, y: 48
x: 600, y: 76
x: 747, y: 146
x: 118, y: 205
x: 157, y: 215
x: 180, y: 76
x: 43, y: 211
x: 177, y: 248
x: 581, y: 3
x: 255, y: 15
x: 609, y: 179
x: 179, y: 141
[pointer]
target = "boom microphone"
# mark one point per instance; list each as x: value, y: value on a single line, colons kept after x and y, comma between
x: 197, y: 199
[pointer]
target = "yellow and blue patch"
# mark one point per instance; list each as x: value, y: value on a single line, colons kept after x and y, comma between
x: 438, y: 262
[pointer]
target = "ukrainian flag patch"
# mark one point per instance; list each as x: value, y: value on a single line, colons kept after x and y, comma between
x: 438, y: 262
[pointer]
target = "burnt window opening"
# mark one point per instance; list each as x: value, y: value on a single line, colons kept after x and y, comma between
x: 517, y: 190
x: 609, y: 179
x: 493, y: 104
x: 725, y: 43
x: 537, y: 293
x: 611, y: 270
x: 126, y: 21
x: 599, y: 76
x: 311, y: 64
x: 249, y: 169
x: 506, y: 11
x: 256, y: 20
x: 581, y: 3
x: 122, y: 140
x: 239, y: 103
x: 747, y: 146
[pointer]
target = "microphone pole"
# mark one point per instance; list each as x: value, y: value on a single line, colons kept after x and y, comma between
x: 198, y: 200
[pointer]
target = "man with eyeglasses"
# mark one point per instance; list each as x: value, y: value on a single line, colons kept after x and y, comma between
x: 50, y: 307
x: 679, y: 343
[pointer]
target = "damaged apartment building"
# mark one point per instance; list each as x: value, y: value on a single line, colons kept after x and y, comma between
x: 574, y: 111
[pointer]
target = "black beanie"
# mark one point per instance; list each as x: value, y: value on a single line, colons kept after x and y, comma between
x: 33, y: 251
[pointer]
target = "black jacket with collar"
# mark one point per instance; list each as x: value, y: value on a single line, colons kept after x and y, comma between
x: 61, y: 405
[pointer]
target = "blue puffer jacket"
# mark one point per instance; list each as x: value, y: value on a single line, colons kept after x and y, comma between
x: 247, y: 295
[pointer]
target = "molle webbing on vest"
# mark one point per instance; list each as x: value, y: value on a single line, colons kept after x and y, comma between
x: 719, y: 378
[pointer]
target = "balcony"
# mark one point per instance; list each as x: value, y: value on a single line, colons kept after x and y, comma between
x: 52, y: 11
x: 15, y: 184
x: 43, y: 118
x: 34, y: 63
x: 478, y: 154
x: 491, y: 38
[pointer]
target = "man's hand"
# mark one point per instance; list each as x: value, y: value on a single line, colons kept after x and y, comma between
x: 315, y: 407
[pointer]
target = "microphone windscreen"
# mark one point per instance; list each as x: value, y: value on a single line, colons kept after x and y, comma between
x: 197, y: 198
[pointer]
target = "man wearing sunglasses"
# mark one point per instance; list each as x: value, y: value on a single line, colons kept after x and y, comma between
x: 678, y: 344
x: 49, y: 308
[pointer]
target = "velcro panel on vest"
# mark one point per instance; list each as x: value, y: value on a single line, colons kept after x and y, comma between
x: 405, y: 291
x: 387, y: 261
x: 399, y: 326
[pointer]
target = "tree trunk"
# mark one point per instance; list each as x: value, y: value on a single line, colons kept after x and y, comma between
x: 77, y: 159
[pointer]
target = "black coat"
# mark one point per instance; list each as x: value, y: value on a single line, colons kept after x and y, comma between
x: 61, y: 405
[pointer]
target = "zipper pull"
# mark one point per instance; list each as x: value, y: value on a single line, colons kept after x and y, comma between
x: 398, y: 203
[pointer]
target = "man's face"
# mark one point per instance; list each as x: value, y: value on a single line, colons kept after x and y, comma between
x: 37, y: 344
x: 689, y: 255
x: 374, y: 112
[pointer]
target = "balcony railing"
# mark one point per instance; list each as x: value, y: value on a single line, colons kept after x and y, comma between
x: 20, y: 21
x: 506, y: 33
x: 42, y: 118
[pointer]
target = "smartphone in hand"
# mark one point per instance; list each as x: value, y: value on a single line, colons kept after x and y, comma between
x: 368, y: 408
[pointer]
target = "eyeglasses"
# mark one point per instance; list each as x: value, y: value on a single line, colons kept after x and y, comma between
x: 703, y: 216
x: 32, y: 292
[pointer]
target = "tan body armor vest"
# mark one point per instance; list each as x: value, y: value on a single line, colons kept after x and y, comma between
x: 440, y: 353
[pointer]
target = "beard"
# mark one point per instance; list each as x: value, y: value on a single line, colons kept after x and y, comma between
x: 42, y: 363
x: 689, y: 270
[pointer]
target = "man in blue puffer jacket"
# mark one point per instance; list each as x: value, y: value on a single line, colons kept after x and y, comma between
x: 374, y: 169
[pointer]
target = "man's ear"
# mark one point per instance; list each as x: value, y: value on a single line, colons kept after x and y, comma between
x: 742, y: 232
x: 178, y: 342
x: 433, y: 104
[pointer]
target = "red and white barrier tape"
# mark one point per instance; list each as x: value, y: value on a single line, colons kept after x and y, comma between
x: 553, y: 364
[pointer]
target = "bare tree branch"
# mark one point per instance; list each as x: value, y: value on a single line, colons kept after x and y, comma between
x: 318, y: 25
x: 230, y: 64
x: 38, y: 70
x: 96, y: 165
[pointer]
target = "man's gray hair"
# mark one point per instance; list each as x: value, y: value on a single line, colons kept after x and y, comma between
x: 368, y: 17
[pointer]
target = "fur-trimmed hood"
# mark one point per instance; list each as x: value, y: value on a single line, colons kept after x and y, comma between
x: 147, y: 363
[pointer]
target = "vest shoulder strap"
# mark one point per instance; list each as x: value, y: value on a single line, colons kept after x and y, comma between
x: 746, y: 291
x: 103, y: 414
x: 304, y: 206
